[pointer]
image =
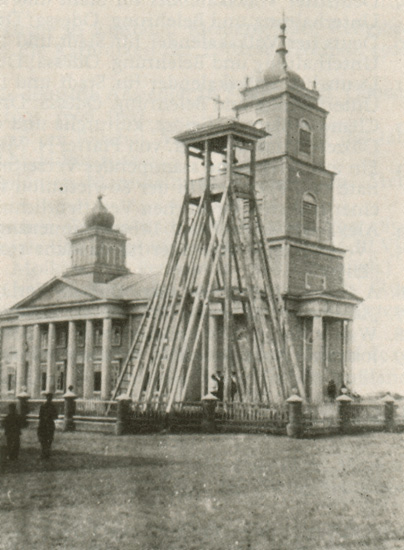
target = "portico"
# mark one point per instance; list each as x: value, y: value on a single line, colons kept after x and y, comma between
x: 75, y: 330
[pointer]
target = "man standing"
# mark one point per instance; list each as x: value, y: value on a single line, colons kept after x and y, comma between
x: 46, y: 427
x: 12, y: 424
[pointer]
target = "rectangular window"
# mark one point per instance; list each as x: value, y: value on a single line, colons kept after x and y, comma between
x: 97, y: 381
x: 304, y: 142
x: 115, y: 370
x: 61, y: 337
x: 98, y: 336
x: 116, y: 335
x: 80, y: 337
x: 10, y: 381
x: 309, y: 216
x: 43, y: 381
x: 44, y: 339
x: 60, y: 376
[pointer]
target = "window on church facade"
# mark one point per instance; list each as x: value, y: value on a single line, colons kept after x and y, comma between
x: 260, y: 123
x: 97, y: 380
x: 60, y: 376
x: 115, y: 370
x: 80, y: 336
x: 43, y: 381
x: 309, y: 213
x: 116, y: 335
x: 11, y: 380
x: 61, y: 337
x: 305, y: 136
x: 98, y: 335
x: 44, y: 339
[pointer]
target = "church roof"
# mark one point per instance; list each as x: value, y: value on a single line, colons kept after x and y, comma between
x: 336, y: 294
x: 61, y: 290
x: 278, y: 69
x: 99, y: 216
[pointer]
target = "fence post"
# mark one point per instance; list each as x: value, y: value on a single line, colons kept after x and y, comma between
x: 70, y: 410
x: 122, y: 419
x: 294, y: 428
x: 23, y: 407
x: 344, y: 411
x: 389, y: 413
x: 208, y: 423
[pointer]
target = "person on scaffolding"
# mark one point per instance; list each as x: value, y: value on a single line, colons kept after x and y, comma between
x: 218, y: 390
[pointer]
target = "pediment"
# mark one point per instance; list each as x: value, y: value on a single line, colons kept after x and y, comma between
x: 54, y: 293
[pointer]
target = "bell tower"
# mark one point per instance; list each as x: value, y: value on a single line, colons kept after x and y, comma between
x: 98, y: 251
x: 295, y: 190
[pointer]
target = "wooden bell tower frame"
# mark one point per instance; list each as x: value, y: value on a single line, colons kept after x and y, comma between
x: 216, y: 258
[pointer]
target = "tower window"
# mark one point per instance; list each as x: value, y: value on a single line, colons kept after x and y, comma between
x: 304, y: 138
x: 309, y: 213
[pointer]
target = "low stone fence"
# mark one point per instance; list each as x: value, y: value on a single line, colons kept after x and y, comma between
x: 295, y: 418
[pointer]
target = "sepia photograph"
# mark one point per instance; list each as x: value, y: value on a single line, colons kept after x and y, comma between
x: 201, y: 275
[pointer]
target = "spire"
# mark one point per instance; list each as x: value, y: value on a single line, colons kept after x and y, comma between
x: 281, y: 49
x: 278, y: 70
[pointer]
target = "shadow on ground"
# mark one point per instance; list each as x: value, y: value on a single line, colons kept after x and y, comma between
x: 30, y: 461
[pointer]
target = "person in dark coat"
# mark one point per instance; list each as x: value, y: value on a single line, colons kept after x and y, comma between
x: 46, y: 427
x: 12, y: 424
x: 332, y: 390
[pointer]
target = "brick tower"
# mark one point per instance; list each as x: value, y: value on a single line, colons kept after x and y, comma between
x: 296, y: 194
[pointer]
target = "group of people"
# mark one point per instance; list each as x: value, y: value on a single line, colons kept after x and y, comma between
x: 14, y: 422
x: 216, y: 386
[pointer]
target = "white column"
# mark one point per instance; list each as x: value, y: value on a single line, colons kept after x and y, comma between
x: 36, y: 362
x: 20, y: 366
x: 88, y: 385
x: 106, y: 359
x: 348, y: 333
x: 51, y: 358
x: 317, y: 362
x: 71, y: 356
x: 212, y: 351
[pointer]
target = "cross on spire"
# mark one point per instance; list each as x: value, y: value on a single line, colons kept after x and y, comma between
x: 219, y: 104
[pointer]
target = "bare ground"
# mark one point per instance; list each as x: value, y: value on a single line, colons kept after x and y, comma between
x: 217, y: 492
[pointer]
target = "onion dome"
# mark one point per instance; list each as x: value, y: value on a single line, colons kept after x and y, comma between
x: 99, y: 216
x: 278, y: 70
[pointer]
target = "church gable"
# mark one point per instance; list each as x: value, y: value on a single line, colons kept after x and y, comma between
x: 56, y: 292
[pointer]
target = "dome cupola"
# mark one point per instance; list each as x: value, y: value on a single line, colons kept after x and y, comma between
x: 278, y: 70
x: 99, y: 216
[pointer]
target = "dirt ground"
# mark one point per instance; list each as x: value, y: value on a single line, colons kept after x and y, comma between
x: 214, y: 492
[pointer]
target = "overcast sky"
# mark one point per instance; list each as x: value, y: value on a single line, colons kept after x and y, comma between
x: 93, y: 91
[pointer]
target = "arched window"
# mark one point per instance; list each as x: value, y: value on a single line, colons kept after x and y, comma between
x: 310, y: 214
x: 260, y: 123
x: 305, y: 137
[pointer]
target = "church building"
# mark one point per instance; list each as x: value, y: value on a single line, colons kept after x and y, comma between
x: 77, y: 329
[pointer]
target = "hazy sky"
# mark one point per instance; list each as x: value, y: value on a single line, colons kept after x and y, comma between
x: 93, y: 91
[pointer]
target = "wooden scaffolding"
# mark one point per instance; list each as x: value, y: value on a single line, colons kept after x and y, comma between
x: 216, y: 308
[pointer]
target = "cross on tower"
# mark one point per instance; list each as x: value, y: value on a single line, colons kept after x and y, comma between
x: 219, y: 103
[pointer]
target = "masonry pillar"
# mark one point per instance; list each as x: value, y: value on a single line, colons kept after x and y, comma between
x: 317, y: 362
x: 71, y: 356
x: 348, y: 354
x: 36, y: 362
x: 51, y: 358
x: 212, y: 351
x: 20, y: 367
x: 106, y: 359
x: 88, y: 384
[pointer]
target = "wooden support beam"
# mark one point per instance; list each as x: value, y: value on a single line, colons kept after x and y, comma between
x: 279, y: 314
x: 205, y: 269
